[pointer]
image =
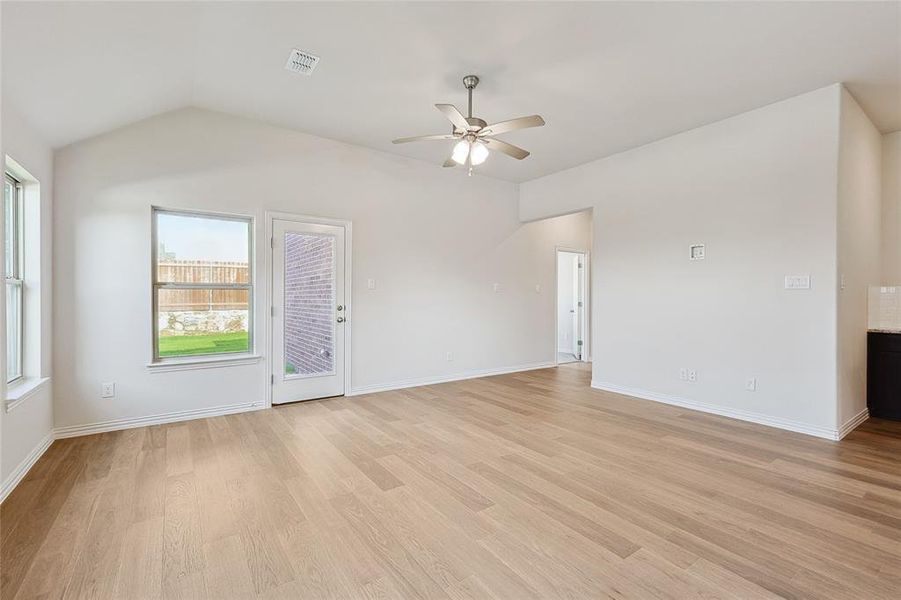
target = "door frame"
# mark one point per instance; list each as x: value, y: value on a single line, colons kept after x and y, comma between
x: 271, y: 216
x: 586, y: 304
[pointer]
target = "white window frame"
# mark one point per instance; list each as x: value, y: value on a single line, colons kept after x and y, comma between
x: 213, y: 358
x: 16, y: 278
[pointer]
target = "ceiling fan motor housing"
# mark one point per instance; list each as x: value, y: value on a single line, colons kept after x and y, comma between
x: 474, y: 124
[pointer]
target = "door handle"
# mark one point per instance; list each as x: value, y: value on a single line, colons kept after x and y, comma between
x: 340, y: 319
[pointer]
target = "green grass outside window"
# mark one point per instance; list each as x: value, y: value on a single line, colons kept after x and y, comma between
x: 205, y: 343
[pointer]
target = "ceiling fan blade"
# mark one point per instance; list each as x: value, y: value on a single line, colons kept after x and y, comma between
x: 512, y: 125
x: 508, y: 149
x: 423, y: 138
x: 454, y: 116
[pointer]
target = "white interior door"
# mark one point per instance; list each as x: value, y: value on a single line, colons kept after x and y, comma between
x: 578, y: 305
x: 308, y: 311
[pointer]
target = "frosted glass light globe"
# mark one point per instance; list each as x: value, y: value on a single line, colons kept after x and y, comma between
x: 461, y: 151
x: 478, y: 154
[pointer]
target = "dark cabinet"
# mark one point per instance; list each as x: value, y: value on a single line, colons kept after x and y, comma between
x: 884, y: 375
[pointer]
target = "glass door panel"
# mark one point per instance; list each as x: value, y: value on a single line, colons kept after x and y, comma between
x: 309, y: 305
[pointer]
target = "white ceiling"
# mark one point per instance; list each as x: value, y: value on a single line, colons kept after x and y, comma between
x: 605, y: 76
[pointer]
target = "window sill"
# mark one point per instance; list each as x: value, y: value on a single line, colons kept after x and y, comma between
x: 203, y: 363
x: 22, y: 390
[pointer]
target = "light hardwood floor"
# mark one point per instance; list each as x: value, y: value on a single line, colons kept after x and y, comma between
x: 519, y: 486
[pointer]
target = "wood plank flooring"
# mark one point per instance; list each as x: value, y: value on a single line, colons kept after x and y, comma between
x: 520, y: 486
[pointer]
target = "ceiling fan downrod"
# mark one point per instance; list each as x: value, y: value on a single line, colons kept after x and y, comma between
x: 470, y: 82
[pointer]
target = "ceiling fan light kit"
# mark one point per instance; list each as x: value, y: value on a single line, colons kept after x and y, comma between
x: 474, y: 135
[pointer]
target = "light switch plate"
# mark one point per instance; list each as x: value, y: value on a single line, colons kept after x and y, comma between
x: 370, y: 284
x: 797, y: 282
x: 696, y: 252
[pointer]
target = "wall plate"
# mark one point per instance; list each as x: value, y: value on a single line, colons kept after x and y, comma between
x: 696, y: 252
x: 797, y: 282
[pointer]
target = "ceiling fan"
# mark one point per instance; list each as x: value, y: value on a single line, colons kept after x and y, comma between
x: 475, y: 137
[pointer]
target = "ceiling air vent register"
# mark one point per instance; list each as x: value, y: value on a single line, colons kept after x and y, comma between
x: 301, y: 62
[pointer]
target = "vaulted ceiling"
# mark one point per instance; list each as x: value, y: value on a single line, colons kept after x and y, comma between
x: 605, y: 76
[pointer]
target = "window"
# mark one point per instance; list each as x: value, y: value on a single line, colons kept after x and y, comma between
x: 13, y: 259
x: 202, y: 285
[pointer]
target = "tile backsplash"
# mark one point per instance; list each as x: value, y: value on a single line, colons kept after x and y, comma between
x: 884, y: 312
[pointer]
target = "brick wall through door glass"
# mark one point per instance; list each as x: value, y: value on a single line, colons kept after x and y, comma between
x: 309, y: 304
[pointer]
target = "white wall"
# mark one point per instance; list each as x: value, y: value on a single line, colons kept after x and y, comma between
x: 27, y: 426
x: 434, y: 240
x: 759, y: 189
x: 859, y: 233
x: 891, y: 208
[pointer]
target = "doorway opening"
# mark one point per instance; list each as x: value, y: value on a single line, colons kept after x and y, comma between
x: 571, y: 342
x: 310, y: 315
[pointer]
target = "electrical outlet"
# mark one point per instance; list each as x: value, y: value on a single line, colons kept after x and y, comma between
x: 450, y: 356
x: 108, y: 390
x: 692, y: 375
x: 497, y: 287
x: 370, y: 284
x: 683, y: 374
x: 751, y: 384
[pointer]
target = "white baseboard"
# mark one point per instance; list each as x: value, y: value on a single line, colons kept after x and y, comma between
x: 159, y: 419
x: 409, y: 383
x: 852, y: 423
x: 735, y: 413
x: 10, y: 483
